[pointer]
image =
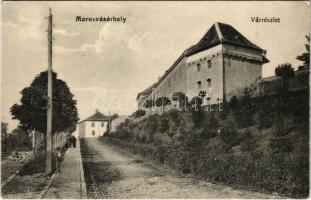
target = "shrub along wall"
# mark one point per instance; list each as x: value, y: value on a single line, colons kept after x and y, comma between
x: 266, y: 151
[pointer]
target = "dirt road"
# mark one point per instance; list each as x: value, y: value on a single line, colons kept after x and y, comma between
x: 113, y: 173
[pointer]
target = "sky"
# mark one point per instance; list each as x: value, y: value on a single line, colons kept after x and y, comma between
x: 106, y: 64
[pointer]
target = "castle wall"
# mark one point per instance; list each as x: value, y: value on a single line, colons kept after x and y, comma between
x: 210, y: 75
x: 221, y: 69
x: 273, y: 85
x: 242, y: 68
x: 175, y: 81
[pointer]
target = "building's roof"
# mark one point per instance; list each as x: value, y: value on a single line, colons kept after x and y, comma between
x: 219, y: 33
x: 146, y: 91
x: 98, y: 116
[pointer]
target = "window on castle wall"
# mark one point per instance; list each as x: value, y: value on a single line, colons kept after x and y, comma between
x: 103, y: 124
x: 209, y: 82
x: 209, y: 64
x: 93, y: 132
x: 199, y: 67
x: 199, y: 85
x: 93, y: 124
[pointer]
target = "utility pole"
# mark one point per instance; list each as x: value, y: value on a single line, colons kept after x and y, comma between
x: 34, y: 141
x: 49, y: 133
x: 109, y: 122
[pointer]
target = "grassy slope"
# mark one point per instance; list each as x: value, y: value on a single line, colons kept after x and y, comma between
x: 270, y: 153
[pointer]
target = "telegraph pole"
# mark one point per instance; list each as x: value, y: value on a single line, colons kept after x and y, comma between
x: 109, y: 122
x: 49, y: 133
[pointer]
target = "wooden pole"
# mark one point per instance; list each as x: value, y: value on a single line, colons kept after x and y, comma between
x: 34, y: 141
x: 109, y: 122
x: 49, y: 134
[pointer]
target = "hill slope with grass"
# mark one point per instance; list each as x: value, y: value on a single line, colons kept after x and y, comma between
x: 257, y: 143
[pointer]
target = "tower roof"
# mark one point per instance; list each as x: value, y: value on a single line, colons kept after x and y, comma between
x: 146, y: 91
x: 221, y: 33
x: 98, y: 116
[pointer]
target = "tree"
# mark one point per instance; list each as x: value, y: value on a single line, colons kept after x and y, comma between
x: 4, y: 129
x: 149, y: 103
x: 305, y: 57
x: 196, y: 103
x: 166, y: 101
x: 114, y: 116
x: 284, y: 70
x: 162, y: 101
x: 23, y: 139
x: 159, y: 102
x: 139, y: 113
x: 181, y: 98
x: 32, y: 112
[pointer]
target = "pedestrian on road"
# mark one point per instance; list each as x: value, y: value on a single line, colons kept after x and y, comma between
x: 59, y: 158
x: 68, y: 141
x: 74, y: 141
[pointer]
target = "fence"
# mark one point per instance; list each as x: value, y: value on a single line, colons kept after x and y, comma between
x: 59, y: 140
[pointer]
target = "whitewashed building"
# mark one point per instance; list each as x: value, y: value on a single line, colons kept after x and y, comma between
x: 94, y: 126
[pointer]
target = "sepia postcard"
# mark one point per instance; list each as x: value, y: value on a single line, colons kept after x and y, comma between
x: 155, y: 99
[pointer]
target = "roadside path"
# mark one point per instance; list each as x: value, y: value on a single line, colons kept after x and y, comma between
x: 68, y: 184
x: 111, y: 173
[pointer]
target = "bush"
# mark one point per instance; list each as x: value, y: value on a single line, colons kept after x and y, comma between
x: 248, y: 142
x: 18, y: 140
x: 166, y: 101
x: 8, y: 143
x: 159, y: 102
x: 209, y: 126
x: 196, y: 103
x: 149, y: 103
x: 162, y: 101
x: 244, y: 110
x: 281, y: 145
x: 197, y: 116
x: 233, y: 103
x: 139, y: 113
x: 36, y: 165
x: 163, y: 125
x: 228, y: 131
x: 161, y: 152
x: 181, y: 98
